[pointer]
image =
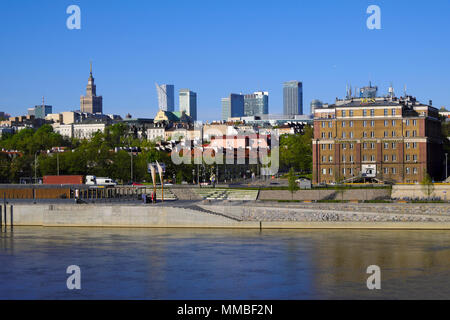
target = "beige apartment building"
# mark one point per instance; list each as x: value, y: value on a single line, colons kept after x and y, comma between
x: 377, y: 139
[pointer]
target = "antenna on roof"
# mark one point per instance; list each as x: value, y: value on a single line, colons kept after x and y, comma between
x: 404, y: 90
x: 391, y: 91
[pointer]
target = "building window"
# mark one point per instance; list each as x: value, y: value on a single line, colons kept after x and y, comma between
x: 407, y: 133
x: 394, y: 170
x: 393, y: 133
x: 323, y: 134
x: 407, y: 122
x: 364, y: 145
x: 343, y: 158
x: 364, y: 134
x: 364, y: 113
x: 330, y: 135
x: 386, y: 123
x: 372, y: 123
x: 386, y: 134
x: 364, y: 158
x: 330, y: 146
x: 330, y: 171
x: 364, y: 123
x: 386, y: 145
x: 344, y: 146
x: 351, y: 124
x: 408, y: 170
x: 393, y: 123
x: 408, y: 145
x: 372, y: 145
x: 414, y: 133
x: 385, y: 112
x: 372, y: 112
x: 393, y: 112
x: 414, y: 122
x: 394, y: 145
x: 415, y: 145
x: 351, y: 171
x: 324, y: 159
x: 351, y: 145
x: 394, y: 158
x: 343, y: 135
x: 415, y: 157
x: 386, y: 158
x: 324, y: 171
x: 351, y: 134
x: 415, y: 170
x: 351, y: 113
x: 408, y: 157
x: 343, y: 124
x: 330, y: 159
x: 372, y: 158
x: 323, y: 147
x: 351, y: 158
x: 343, y: 113
x: 372, y: 134
x: 330, y: 124
x: 386, y: 170
x: 323, y: 124
x: 343, y: 171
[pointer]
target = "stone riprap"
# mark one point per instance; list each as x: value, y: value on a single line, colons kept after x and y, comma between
x: 432, y: 212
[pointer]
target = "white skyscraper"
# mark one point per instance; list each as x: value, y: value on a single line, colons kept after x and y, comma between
x: 166, y: 97
x: 188, y: 103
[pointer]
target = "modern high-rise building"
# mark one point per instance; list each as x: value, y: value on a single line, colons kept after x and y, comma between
x: 293, y: 98
x: 233, y: 106
x: 166, y: 97
x: 40, y: 111
x: 188, y: 103
x: 256, y: 103
x: 91, y: 103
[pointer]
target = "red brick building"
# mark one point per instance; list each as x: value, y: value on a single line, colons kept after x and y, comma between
x: 383, y: 138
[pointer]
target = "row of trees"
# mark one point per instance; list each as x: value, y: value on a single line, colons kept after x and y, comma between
x: 97, y: 156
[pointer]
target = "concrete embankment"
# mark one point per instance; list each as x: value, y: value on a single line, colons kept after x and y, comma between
x: 218, y: 216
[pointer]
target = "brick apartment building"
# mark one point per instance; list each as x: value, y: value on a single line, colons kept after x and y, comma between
x: 377, y: 138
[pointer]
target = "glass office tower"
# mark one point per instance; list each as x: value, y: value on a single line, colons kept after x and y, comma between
x: 293, y: 98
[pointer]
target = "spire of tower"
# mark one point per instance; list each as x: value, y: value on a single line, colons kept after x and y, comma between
x: 43, y: 103
x: 91, y: 69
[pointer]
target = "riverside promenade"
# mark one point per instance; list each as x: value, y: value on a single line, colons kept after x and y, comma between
x: 233, y: 214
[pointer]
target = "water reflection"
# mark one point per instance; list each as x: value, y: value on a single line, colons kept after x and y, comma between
x: 222, y: 264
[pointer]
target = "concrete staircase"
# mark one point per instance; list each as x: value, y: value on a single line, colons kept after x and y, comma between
x: 227, y: 194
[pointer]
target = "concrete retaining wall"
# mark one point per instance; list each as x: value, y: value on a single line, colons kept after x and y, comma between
x: 400, y: 191
x: 119, y: 216
x: 357, y: 194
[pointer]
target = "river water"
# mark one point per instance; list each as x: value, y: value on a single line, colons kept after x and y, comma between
x: 223, y: 264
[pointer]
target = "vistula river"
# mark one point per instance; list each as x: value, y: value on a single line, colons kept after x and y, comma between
x: 223, y: 264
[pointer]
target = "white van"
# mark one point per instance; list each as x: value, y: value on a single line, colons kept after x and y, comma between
x: 100, y: 181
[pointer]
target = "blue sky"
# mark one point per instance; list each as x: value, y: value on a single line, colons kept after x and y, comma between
x: 218, y: 47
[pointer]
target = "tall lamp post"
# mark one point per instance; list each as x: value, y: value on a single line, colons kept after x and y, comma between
x: 35, y: 167
x: 446, y: 166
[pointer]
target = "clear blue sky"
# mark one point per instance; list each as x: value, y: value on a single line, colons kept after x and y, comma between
x: 218, y: 47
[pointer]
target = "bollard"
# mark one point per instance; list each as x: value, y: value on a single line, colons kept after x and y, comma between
x: 11, y: 223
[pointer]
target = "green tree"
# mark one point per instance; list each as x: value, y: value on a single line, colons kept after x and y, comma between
x: 292, y: 186
x: 427, y: 185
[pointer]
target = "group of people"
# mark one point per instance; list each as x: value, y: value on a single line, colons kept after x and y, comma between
x: 152, y: 197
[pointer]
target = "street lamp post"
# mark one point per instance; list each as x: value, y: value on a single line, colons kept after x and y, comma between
x: 35, y: 167
x: 446, y: 166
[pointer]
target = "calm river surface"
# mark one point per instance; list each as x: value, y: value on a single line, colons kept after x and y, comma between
x: 223, y: 264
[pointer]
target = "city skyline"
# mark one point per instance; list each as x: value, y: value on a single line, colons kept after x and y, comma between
x: 46, y: 59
